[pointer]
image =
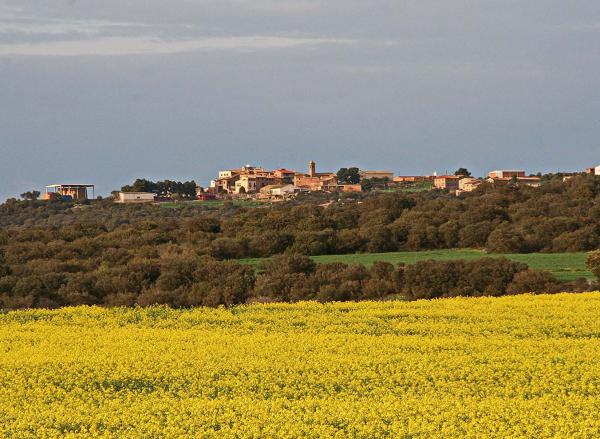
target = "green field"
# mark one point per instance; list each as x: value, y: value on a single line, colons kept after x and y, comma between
x: 565, y: 266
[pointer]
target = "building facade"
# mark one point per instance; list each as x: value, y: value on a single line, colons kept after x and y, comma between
x: 367, y: 175
x: 316, y: 181
x: 446, y: 182
x: 468, y: 184
x: 410, y: 178
x: 76, y: 192
x: 135, y: 197
x: 506, y: 174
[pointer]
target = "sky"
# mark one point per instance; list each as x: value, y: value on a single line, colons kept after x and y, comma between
x: 107, y: 91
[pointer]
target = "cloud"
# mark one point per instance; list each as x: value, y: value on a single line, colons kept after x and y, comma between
x: 151, y: 45
x: 30, y: 35
x: 17, y: 26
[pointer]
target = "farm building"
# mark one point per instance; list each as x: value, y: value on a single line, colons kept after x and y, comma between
x: 135, y: 197
x: 506, y: 174
x: 366, y: 175
x: 77, y: 192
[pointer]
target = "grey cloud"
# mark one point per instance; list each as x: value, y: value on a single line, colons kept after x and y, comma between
x: 148, y: 45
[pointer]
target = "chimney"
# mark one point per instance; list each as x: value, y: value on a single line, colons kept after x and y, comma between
x: 312, y: 169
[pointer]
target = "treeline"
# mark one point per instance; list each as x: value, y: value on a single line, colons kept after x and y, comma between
x: 164, y: 188
x: 105, y: 214
x: 184, y: 279
x: 557, y: 217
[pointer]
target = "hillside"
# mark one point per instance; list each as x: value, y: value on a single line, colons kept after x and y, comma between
x: 521, y: 366
x: 56, y: 254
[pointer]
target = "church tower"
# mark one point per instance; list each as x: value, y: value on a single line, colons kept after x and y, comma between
x: 312, y: 169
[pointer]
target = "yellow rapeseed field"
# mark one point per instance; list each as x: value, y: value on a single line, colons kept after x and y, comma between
x: 521, y: 366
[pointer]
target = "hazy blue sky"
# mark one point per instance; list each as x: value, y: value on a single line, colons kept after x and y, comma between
x: 104, y: 91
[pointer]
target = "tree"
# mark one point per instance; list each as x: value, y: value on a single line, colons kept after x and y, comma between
x: 30, y: 195
x: 348, y: 176
x: 463, y: 171
x: 163, y: 188
x: 533, y: 281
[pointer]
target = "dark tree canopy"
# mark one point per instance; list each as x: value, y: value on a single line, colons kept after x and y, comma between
x: 30, y: 195
x: 163, y: 188
x: 348, y: 176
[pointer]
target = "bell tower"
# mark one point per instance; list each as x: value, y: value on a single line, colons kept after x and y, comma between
x: 312, y: 169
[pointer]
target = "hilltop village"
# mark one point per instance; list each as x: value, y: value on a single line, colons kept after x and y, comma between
x: 260, y: 184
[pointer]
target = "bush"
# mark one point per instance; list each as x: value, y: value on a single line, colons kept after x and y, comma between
x: 227, y: 248
x: 593, y: 263
x: 532, y: 281
x: 285, y: 277
x: 484, y: 277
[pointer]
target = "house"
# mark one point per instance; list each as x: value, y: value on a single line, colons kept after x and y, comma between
x: 285, y: 175
x: 252, y: 183
x: 135, y: 197
x: 77, y: 192
x: 249, y: 179
x: 468, y: 184
x: 446, y: 182
x: 318, y: 183
x: 367, y: 175
x: 229, y: 173
x: 224, y: 184
x: 506, y: 174
x: 248, y: 169
x: 278, y: 190
x: 597, y: 170
x: 592, y: 171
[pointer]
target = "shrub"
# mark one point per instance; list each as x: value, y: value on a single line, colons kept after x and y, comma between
x: 487, y: 276
x: 532, y: 281
x: 227, y: 248
x: 593, y: 263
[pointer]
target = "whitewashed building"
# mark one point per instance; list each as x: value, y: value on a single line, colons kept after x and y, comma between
x: 135, y: 197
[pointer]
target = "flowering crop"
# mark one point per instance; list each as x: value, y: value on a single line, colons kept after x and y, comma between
x: 521, y: 366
